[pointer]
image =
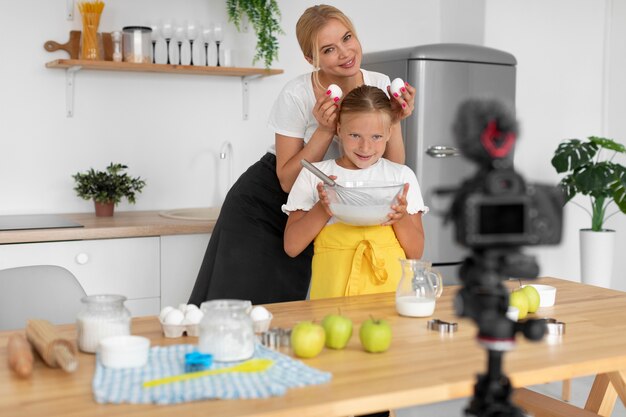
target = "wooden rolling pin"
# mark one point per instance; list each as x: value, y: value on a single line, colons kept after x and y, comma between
x: 54, y: 350
x: 20, y: 355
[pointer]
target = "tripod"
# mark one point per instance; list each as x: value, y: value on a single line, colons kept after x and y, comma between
x: 484, y: 299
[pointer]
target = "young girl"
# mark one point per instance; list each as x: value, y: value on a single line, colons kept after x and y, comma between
x: 245, y: 258
x: 351, y: 260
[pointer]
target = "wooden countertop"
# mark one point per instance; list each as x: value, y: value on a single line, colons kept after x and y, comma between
x: 121, y: 225
x: 421, y: 366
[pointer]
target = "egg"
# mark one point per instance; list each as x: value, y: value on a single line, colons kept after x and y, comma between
x: 259, y: 313
x: 175, y: 316
x: 396, y: 86
x: 193, y: 316
x: 335, y: 92
x: 191, y: 307
x: 164, y: 312
x: 183, y: 308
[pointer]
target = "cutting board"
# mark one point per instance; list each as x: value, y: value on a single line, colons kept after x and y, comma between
x: 72, y: 46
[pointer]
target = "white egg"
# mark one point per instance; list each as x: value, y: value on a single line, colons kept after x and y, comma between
x: 175, y: 316
x: 259, y: 313
x: 183, y: 308
x: 193, y: 316
x: 335, y: 92
x: 191, y: 307
x: 164, y: 312
x: 396, y: 86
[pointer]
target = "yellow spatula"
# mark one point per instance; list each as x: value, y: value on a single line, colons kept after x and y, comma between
x: 253, y: 365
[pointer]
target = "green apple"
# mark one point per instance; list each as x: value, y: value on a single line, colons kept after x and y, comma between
x: 533, y: 298
x: 338, y: 330
x: 307, y: 339
x: 375, y: 335
x: 519, y: 299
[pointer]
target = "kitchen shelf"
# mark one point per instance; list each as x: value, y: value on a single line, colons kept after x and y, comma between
x: 71, y: 66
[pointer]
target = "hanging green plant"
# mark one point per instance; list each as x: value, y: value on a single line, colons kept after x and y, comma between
x: 264, y: 15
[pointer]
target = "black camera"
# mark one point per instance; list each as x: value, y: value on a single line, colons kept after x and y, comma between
x: 498, y: 208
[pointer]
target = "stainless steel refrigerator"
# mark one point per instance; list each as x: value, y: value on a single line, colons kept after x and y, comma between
x: 444, y: 75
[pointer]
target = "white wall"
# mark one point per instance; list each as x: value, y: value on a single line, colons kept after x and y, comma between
x: 169, y: 128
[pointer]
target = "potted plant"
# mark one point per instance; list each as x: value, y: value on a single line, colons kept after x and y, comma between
x: 106, y: 188
x: 591, y: 170
x: 265, y: 18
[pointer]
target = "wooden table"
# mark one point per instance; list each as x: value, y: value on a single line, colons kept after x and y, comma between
x: 421, y: 366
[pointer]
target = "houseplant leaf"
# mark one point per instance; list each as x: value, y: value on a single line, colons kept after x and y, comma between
x: 573, y: 154
x: 592, y: 179
x: 609, y: 144
x: 619, y: 188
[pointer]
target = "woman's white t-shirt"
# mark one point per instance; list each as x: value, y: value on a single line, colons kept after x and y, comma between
x: 303, y: 195
x: 292, y: 113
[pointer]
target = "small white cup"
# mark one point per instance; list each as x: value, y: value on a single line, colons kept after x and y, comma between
x: 547, y: 294
x: 124, y: 351
x: 512, y: 313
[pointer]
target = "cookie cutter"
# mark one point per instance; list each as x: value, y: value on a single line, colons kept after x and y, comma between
x: 554, y: 327
x: 442, y: 326
x: 276, y: 338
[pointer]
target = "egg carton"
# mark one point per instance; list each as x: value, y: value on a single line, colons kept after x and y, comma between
x: 179, y: 330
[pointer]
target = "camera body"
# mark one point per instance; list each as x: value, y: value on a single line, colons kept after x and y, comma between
x: 497, y: 208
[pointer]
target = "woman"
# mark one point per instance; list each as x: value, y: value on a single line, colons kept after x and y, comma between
x: 245, y: 257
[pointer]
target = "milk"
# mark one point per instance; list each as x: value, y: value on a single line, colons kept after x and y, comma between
x: 414, y: 307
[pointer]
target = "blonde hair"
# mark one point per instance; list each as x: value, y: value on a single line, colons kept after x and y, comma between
x: 366, y: 99
x: 308, y: 27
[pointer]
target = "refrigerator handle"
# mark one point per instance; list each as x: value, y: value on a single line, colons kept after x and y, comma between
x: 440, y: 151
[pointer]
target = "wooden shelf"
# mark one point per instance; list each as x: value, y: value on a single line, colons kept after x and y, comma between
x: 71, y: 66
x: 166, y: 68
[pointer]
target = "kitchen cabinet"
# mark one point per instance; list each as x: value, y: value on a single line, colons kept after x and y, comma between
x: 128, y: 266
x: 181, y: 257
x: 71, y: 66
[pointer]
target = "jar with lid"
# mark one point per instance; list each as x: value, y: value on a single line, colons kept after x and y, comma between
x: 102, y: 316
x: 137, y: 43
x: 226, y: 330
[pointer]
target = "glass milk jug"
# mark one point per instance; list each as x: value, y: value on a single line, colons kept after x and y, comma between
x: 226, y: 330
x: 418, y: 288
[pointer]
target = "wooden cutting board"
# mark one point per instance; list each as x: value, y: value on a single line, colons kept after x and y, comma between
x: 72, y: 46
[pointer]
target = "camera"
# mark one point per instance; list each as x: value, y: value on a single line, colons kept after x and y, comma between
x: 498, y: 208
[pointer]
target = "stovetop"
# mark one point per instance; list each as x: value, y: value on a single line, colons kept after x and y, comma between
x: 35, y: 221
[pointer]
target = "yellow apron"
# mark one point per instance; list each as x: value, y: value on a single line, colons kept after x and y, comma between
x: 352, y: 260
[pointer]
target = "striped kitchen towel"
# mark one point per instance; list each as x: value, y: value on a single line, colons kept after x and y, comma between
x: 125, y: 385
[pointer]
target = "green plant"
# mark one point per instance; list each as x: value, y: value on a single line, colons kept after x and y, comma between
x: 107, y: 186
x: 589, y: 173
x: 264, y: 15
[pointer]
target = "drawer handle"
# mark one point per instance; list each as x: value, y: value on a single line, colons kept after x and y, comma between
x: 440, y: 151
x: 82, y: 258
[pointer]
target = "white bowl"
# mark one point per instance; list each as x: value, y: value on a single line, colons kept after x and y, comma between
x: 547, y: 294
x: 512, y: 313
x: 363, y: 203
x: 261, y: 326
x: 124, y: 351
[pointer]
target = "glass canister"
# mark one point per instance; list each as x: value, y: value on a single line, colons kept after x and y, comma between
x: 226, y: 330
x: 137, y: 44
x: 102, y: 316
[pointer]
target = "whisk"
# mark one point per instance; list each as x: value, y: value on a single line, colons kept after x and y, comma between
x: 348, y: 196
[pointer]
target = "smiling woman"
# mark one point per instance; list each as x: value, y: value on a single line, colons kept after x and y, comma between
x: 245, y: 258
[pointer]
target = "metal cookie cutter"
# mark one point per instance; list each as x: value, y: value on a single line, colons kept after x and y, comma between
x: 554, y: 327
x: 276, y: 338
x: 442, y: 326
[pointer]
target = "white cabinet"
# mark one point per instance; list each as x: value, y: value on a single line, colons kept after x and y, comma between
x: 129, y: 267
x: 181, y: 257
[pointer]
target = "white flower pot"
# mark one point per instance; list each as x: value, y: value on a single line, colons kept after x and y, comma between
x: 596, y: 257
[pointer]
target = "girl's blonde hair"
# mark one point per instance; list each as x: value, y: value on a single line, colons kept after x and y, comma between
x: 308, y: 27
x: 367, y: 98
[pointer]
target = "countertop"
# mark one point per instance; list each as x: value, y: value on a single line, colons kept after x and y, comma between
x: 121, y: 225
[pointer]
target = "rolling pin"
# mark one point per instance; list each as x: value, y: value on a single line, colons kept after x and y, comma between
x: 20, y: 355
x: 54, y: 350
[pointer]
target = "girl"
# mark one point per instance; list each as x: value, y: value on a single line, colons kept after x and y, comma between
x: 351, y: 260
x: 245, y: 258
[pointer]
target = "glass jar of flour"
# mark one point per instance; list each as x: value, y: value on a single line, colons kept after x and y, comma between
x: 102, y: 316
x: 226, y: 330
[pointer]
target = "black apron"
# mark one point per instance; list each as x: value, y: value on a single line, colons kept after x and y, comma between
x: 245, y: 258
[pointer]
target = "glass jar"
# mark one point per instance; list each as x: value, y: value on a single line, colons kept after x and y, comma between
x: 102, y: 316
x: 137, y: 42
x: 226, y: 330
x: 418, y: 289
